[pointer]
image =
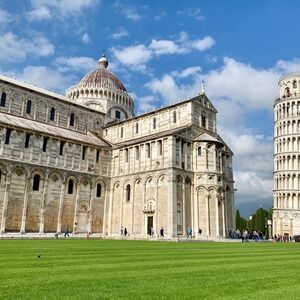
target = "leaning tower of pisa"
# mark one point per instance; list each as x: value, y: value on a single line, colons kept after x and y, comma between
x: 286, y: 212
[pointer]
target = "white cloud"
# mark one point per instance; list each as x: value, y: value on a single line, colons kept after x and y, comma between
x: 45, y: 9
x: 203, y: 44
x: 252, y: 187
x: 252, y: 88
x: 192, y: 13
x: 147, y: 103
x: 85, y: 38
x: 160, y: 16
x: 128, y: 11
x: 5, y: 17
x: 161, y: 47
x: 190, y: 71
x: 237, y: 90
x: 14, y: 48
x: 76, y: 63
x: 45, y: 77
x: 120, y: 33
x: 136, y: 57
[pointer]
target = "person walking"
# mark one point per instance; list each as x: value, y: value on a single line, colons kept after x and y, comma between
x: 67, y: 231
x: 125, y: 231
x: 122, y: 230
x: 162, y: 231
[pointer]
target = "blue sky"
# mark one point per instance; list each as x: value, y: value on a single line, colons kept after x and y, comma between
x: 161, y: 50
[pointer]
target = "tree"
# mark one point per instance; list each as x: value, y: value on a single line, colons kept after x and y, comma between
x: 240, y: 221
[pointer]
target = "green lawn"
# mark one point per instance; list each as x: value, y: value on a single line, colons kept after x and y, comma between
x: 102, y: 269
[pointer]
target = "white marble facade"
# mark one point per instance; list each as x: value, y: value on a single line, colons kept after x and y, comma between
x: 286, y: 211
x: 85, y: 161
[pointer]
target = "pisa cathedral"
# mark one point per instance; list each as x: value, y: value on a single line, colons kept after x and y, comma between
x: 286, y: 211
x: 85, y: 161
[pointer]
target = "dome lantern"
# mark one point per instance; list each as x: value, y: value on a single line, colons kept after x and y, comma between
x: 103, y: 62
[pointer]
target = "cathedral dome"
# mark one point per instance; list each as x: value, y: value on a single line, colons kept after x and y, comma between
x: 102, y: 77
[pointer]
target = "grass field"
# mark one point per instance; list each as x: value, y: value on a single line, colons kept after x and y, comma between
x: 102, y: 269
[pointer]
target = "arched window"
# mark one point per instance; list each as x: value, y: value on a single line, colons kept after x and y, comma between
x: 294, y: 84
x: 72, y: 119
x: 154, y: 123
x: 128, y: 188
x: 159, y: 143
x: 199, y: 151
x: 70, y: 186
x: 52, y: 114
x: 36, y: 182
x: 28, y: 107
x: 3, y: 99
x: 287, y: 91
x: 118, y: 114
x: 174, y: 117
x: 99, y: 190
x: 203, y: 121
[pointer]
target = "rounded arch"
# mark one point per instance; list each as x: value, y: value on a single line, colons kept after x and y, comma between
x: 37, y: 172
x: 116, y: 185
x: 123, y: 110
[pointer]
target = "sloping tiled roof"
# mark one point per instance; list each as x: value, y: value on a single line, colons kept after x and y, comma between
x: 26, y: 124
x: 205, y: 137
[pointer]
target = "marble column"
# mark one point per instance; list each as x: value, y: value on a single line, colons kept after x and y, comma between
x: 25, y: 203
x: 5, y: 202
x: 183, y: 209
x: 207, y: 214
x: 61, y: 203
x: 92, y: 198
x: 223, y: 216
x: 194, y: 208
x: 42, y: 213
x: 217, y: 216
x: 76, y: 207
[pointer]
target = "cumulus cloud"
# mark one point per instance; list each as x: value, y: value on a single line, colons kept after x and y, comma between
x: 128, y: 11
x: 137, y: 56
x: 134, y: 56
x: 203, y: 44
x: 5, y: 17
x: 120, y: 33
x: 75, y: 63
x: 45, y: 9
x: 85, y: 38
x: 45, y: 77
x: 161, y: 47
x: 238, y: 91
x: 14, y: 48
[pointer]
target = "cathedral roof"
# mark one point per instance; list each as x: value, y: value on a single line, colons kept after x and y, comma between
x: 205, y: 137
x: 103, y: 77
x: 51, y: 130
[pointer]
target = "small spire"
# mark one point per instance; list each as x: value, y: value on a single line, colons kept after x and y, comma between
x: 202, y: 87
x: 103, y: 62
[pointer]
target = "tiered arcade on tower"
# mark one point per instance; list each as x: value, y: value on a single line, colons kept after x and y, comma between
x: 286, y: 212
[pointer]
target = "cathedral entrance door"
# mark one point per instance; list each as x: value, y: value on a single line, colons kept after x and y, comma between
x: 149, y: 225
x: 82, y: 225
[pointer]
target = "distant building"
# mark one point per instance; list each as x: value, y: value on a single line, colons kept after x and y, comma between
x: 86, y: 162
x: 286, y: 211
